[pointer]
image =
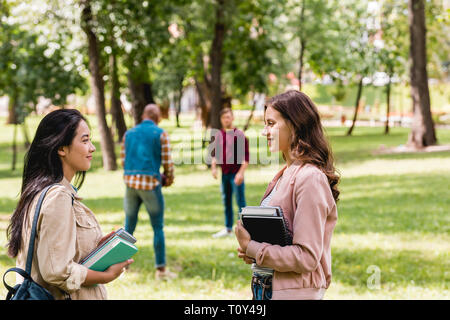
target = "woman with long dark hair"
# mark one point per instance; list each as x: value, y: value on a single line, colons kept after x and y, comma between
x: 67, y: 230
x: 306, y: 190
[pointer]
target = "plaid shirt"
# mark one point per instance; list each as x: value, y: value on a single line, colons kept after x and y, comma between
x: 145, y: 182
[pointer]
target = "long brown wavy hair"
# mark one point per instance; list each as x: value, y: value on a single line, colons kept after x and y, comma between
x: 309, y: 143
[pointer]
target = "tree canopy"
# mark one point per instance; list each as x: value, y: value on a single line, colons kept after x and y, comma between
x: 226, y: 49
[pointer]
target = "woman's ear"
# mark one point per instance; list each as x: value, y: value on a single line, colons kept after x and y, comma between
x: 62, y: 151
x: 291, y: 131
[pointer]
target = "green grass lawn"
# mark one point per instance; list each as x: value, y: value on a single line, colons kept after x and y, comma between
x: 394, y: 218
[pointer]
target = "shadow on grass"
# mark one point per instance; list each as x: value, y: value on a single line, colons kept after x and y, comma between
x: 358, y: 147
x: 350, y: 267
x: 384, y: 204
x: 390, y: 204
x: 365, y: 154
x: 8, y: 173
x: 203, y: 201
x: 397, y: 268
x: 207, y: 263
x: 7, y: 206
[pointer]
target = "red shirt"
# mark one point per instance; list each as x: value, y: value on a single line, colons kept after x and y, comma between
x: 230, y: 148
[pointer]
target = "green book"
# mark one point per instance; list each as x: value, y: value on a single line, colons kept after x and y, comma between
x: 114, y: 251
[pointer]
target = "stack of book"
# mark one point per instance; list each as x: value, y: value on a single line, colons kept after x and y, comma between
x: 116, y: 248
x: 266, y: 224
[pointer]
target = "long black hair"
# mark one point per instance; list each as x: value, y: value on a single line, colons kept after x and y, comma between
x: 43, y: 167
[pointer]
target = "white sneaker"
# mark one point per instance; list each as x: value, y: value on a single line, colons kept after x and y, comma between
x: 165, y: 275
x: 223, y: 233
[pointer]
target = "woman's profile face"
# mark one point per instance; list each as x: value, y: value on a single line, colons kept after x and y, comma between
x: 277, y: 131
x: 78, y: 155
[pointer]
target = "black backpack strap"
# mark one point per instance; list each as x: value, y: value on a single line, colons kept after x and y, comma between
x: 33, y: 229
x: 19, y: 271
x: 27, y: 273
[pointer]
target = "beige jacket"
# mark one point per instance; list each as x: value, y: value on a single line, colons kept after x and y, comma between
x: 65, y: 234
x: 303, y: 269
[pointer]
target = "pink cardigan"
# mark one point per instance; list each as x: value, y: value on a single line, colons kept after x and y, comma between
x: 303, y: 269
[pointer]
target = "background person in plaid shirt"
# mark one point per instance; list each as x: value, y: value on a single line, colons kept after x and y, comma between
x: 145, y: 148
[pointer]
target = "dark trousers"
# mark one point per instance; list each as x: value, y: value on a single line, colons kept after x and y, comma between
x: 228, y: 188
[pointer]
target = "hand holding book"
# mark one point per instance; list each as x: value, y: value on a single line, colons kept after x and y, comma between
x: 242, y: 236
x: 242, y: 254
x: 116, y: 247
x: 113, y: 272
x: 102, y: 240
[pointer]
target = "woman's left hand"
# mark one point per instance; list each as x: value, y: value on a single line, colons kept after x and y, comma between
x: 243, y: 256
x: 242, y: 235
x: 104, y: 238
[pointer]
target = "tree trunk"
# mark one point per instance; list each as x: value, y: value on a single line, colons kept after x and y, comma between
x: 11, y: 115
x: 147, y: 91
x: 422, y: 129
x: 251, y: 113
x: 12, y: 112
x: 300, y: 71
x: 137, y: 99
x: 97, y: 87
x: 116, y: 105
x: 216, y: 58
x: 26, y: 137
x: 178, y: 106
x: 14, y: 148
x: 12, y: 119
x: 388, y: 104
x: 141, y: 95
x: 358, y: 98
x: 302, y: 46
x: 139, y: 86
x: 204, y: 103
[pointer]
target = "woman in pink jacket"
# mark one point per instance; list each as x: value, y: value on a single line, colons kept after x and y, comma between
x: 306, y: 190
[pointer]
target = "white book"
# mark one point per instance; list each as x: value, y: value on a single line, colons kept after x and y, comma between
x: 262, y: 211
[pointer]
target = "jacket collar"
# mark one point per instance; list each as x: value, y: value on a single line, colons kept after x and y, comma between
x: 296, y: 165
x: 273, y: 182
x: 70, y: 188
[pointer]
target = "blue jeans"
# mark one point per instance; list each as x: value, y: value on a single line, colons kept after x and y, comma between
x: 261, y: 286
x: 228, y: 188
x: 154, y: 203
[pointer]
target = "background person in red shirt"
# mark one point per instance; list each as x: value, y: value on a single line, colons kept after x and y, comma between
x: 230, y: 152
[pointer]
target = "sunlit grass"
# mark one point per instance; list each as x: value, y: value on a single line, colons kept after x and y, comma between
x: 394, y: 215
